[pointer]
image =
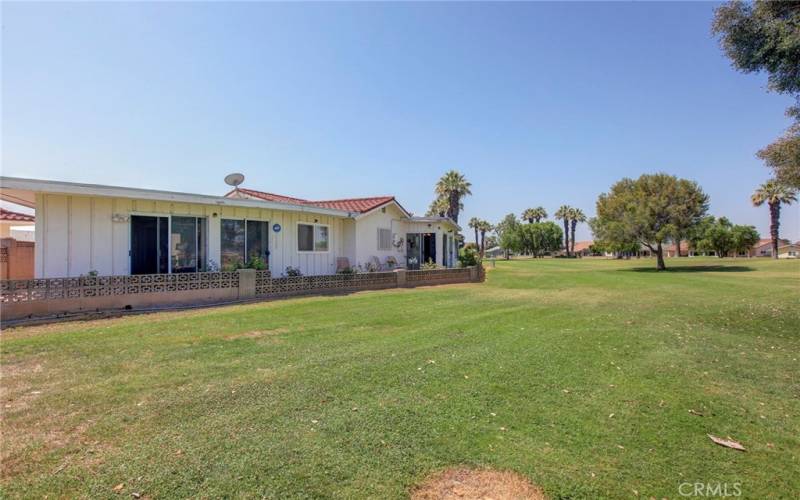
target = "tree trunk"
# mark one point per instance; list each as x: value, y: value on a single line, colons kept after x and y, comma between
x: 454, y: 202
x: 774, y: 223
x: 572, y: 236
x: 476, y: 238
x: 678, y: 247
x: 566, y: 236
x: 483, y: 243
x: 660, y: 257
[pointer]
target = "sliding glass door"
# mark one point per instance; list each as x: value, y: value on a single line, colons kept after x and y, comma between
x: 243, y: 242
x: 149, y: 245
x: 160, y: 245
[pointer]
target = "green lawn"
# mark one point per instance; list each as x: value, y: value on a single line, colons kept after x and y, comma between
x: 578, y: 374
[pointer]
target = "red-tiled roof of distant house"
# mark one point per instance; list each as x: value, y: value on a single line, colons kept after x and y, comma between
x: 8, y: 215
x: 582, y: 245
x: 359, y: 205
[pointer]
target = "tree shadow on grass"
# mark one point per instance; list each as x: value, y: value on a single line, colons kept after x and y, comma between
x: 693, y: 269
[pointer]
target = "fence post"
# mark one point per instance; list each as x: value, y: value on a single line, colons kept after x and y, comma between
x: 473, y: 273
x: 247, y: 283
x: 401, y: 277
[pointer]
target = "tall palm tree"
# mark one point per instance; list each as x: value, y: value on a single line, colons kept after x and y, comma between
x: 534, y: 214
x: 453, y: 186
x: 576, y: 215
x: 484, y: 227
x: 475, y: 224
x: 563, y: 213
x: 773, y: 193
x: 438, y: 207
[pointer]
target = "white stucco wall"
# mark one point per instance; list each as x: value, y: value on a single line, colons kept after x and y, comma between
x: 367, y: 235
x: 78, y: 234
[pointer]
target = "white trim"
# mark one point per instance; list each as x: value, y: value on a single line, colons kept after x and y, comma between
x: 313, y: 243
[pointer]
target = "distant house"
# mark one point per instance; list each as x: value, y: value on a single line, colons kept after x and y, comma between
x: 790, y: 251
x: 495, y: 253
x: 16, y: 225
x: 115, y: 230
x: 764, y: 247
x: 583, y: 248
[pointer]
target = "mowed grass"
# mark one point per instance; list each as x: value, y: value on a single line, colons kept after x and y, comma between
x: 578, y: 374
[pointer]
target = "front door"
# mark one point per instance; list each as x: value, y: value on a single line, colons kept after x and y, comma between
x: 429, y: 248
x: 149, y: 244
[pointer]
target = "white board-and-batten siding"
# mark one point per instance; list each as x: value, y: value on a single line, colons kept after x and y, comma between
x: 79, y: 234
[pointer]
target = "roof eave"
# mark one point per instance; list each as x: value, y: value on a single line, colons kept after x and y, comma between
x: 74, y: 188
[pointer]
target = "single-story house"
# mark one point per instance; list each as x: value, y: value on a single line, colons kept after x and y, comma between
x: 16, y: 225
x: 764, y: 247
x: 495, y: 253
x: 583, y: 248
x: 790, y: 251
x: 111, y: 230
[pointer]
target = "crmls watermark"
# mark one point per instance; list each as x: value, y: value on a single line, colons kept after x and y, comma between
x: 710, y: 489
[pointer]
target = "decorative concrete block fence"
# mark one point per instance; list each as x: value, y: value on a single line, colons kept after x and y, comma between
x: 54, y: 297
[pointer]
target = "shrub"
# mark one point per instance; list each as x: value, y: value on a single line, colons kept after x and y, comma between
x: 430, y: 265
x: 468, y: 257
x: 293, y: 272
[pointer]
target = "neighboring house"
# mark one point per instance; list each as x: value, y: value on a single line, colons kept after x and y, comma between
x: 495, y: 253
x: 790, y: 251
x: 582, y: 248
x: 16, y: 225
x: 764, y: 247
x: 119, y: 230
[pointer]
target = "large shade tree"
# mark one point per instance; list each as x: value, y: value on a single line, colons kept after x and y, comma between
x: 508, y: 234
x: 453, y: 187
x: 563, y: 214
x: 765, y: 36
x: 774, y: 194
x: 646, y: 210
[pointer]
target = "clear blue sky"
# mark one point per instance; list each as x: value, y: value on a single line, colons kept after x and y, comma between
x: 537, y: 104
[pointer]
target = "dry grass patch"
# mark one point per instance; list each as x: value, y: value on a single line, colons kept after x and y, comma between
x: 484, y: 484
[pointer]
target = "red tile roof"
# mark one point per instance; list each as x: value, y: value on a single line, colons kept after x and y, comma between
x: 582, y: 245
x: 8, y: 215
x: 359, y: 205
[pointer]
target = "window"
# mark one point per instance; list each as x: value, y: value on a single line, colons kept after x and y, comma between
x: 243, y: 240
x: 384, y: 239
x: 312, y: 238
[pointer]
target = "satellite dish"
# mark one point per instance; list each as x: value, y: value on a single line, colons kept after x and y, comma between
x: 234, y: 179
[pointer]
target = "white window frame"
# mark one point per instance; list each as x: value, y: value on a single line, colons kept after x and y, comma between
x: 388, y: 247
x: 314, y: 235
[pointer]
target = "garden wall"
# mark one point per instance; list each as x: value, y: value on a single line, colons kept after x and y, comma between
x: 58, y: 297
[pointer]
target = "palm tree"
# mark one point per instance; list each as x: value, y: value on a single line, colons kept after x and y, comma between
x: 773, y: 193
x: 475, y: 224
x: 563, y: 213
x: 534, y: 214
x: 453, y: 187
x: 484, y: 227
x: 438, y: 207
x: 576, y: 216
